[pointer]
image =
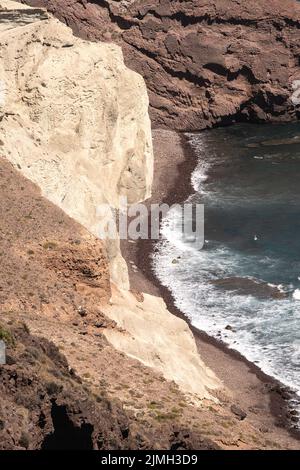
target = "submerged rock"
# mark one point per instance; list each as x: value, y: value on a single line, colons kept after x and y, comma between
x: 250, y: 286
x: 274, y: 142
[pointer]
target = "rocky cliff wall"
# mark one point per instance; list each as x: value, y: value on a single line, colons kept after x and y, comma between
x: 205, y: 63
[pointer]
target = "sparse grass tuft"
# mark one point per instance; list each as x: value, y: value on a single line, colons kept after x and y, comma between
x: 148, y: 381
x: 153, y: 405
x: 53, y: 388
x: 24, y: 440
x: 165, y: 416
x: 6, y: 336
x: 50, y: 245
x: 28, y: 216
x: 175, y: 410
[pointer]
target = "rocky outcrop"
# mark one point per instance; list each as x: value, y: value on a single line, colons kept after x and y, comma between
x: 44, y: 405
x: 205, y: 63
x: 72, y: 116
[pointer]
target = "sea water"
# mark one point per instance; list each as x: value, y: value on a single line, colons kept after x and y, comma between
x: 243, y: 286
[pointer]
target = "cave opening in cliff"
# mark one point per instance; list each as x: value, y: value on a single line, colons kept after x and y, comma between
x: 66, y: 435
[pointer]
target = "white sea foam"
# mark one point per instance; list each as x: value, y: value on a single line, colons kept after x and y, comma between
x: 280, y: 287
x: 296, y: 294
x: 259, y: 332
x: 199, y: 175
x: 265, y: 331
x: 172, y: 230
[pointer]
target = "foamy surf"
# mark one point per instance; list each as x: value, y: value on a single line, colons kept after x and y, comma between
x: 247, y: 237
x: 296, y: 294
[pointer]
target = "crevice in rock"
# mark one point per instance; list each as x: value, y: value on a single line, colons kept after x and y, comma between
x: 180, y: 17
x: 187, y: 75
x: 245, y: 72
x: 122, y: 22
x: 66, y: 436
x: 190, y: 20
x: 230, y: 76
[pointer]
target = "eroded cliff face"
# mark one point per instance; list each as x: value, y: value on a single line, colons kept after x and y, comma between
x: 205, y: 63
x: 74, y: 119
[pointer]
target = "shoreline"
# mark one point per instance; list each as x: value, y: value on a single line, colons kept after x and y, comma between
x: 260, y: 393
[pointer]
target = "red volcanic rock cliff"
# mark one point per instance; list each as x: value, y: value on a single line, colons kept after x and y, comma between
x: 205, y: 62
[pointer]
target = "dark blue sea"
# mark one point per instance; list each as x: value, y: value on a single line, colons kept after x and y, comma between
x: 243, y: 287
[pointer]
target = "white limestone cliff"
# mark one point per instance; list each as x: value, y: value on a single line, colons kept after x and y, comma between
x: 73, y: 118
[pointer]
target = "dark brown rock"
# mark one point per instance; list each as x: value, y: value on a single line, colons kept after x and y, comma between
x: 184, y: 440
x: 238, y: 412
x: 249, y: 286
x: 230, y: 328
x: 205, y: 63
x: 44, y: 405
